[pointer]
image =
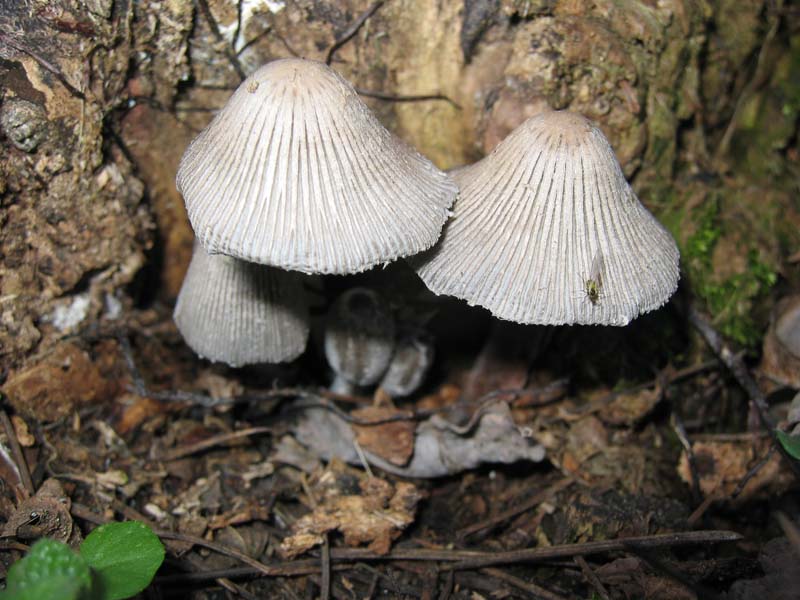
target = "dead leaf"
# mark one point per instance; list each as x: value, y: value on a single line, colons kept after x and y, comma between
x: 628, y: 408
x: 375, y: 514
x: 393, y: 441
x: 723, y: 464
x: 26, y: 440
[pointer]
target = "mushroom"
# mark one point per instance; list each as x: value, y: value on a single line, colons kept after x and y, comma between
x: 780, y: 359
x: 296, y: 172
x: 241, y: 313
x: 547, y: 231
x: 411, y: 361
x: 359, y: 339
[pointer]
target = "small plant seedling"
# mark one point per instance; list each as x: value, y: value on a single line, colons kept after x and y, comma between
x: 115, y: 561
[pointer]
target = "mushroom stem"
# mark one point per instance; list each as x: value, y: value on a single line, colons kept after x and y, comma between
x: 342, y: 386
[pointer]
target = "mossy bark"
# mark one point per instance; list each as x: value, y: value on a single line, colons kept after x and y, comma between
x: 99, y: 100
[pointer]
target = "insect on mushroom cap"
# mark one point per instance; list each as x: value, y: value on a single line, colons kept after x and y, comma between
x: 296, y: 172
x: 547, y: 231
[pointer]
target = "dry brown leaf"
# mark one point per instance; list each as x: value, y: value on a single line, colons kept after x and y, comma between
x: 375, y: 515
x: 628, y: 408
x: 722, y: 465
x: 26, y: 440
x: 393, y: 441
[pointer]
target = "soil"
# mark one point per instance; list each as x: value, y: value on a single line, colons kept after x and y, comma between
x: 571, y: 462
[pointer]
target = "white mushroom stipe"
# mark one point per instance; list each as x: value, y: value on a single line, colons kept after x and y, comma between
x: 241, y: 313
x: 547, y: 231
x: 412, y: 359
x: 297, y: 173
x: 359, y: 339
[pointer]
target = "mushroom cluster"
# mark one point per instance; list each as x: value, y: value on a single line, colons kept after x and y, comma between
x: 296, y: 176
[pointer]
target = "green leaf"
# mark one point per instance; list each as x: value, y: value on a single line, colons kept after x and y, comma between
x: 50, y: 570
x: 790, y: 443
x: 59, y: 587
x: 124, y: 556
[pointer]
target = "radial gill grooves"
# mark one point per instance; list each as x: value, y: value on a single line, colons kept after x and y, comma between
x: 240, y: 313
x: 532, y: 219
x: 255, y: 184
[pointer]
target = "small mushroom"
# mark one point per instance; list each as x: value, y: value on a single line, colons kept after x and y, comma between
x: 547, y: 231
x: 411, y: 361
x: 241, y: 313
x: 780, y: 359
x: 297, y: 173
x: 359, y: 339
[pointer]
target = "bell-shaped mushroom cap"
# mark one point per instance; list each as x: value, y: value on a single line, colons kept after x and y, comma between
x: 359, y: 338
x: 547, y: 231
x: 296, y: 172
x: 241, y: 313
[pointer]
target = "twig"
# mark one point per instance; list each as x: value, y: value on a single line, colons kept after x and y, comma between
x: 348, y: 33
x: 658, y: 564
x: 19, y: 457
x: 532, y: 502
x: 742, y: 376
x: 536, y: 591
x: 473, y: 559
x: 215, y: 440
x: 404, y: 98
x: 229, y: 53
x: 752, y: 473
x: 447, y: 588
x: 325, y: 567
x: 6, y: 545
x: 591, y: 576
x: 83, y: 512
x: 698, y: 512
x: 373, y: 586
x: 680, y: 431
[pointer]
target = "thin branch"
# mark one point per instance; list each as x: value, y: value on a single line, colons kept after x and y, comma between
x: 742, y: 376
x: 325, y: 567
x: 229, y: 53
x: 293, y: 568
x: 473, y: 559
x: 215, y: 440
x: 531, y: 588
x: 348, y: 33
x: 19, y: 456
x: 506, y: 515
x: 403, y: 98
x: 752, y: 472
x: 680, y: 431
x: 592, y: 578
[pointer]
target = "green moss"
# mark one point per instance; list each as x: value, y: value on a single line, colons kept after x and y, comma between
x: 730, y: 300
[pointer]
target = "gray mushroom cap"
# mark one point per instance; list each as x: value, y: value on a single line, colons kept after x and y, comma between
x: 297, y: 173
x: 241, y: 313
x: 547, y: 231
